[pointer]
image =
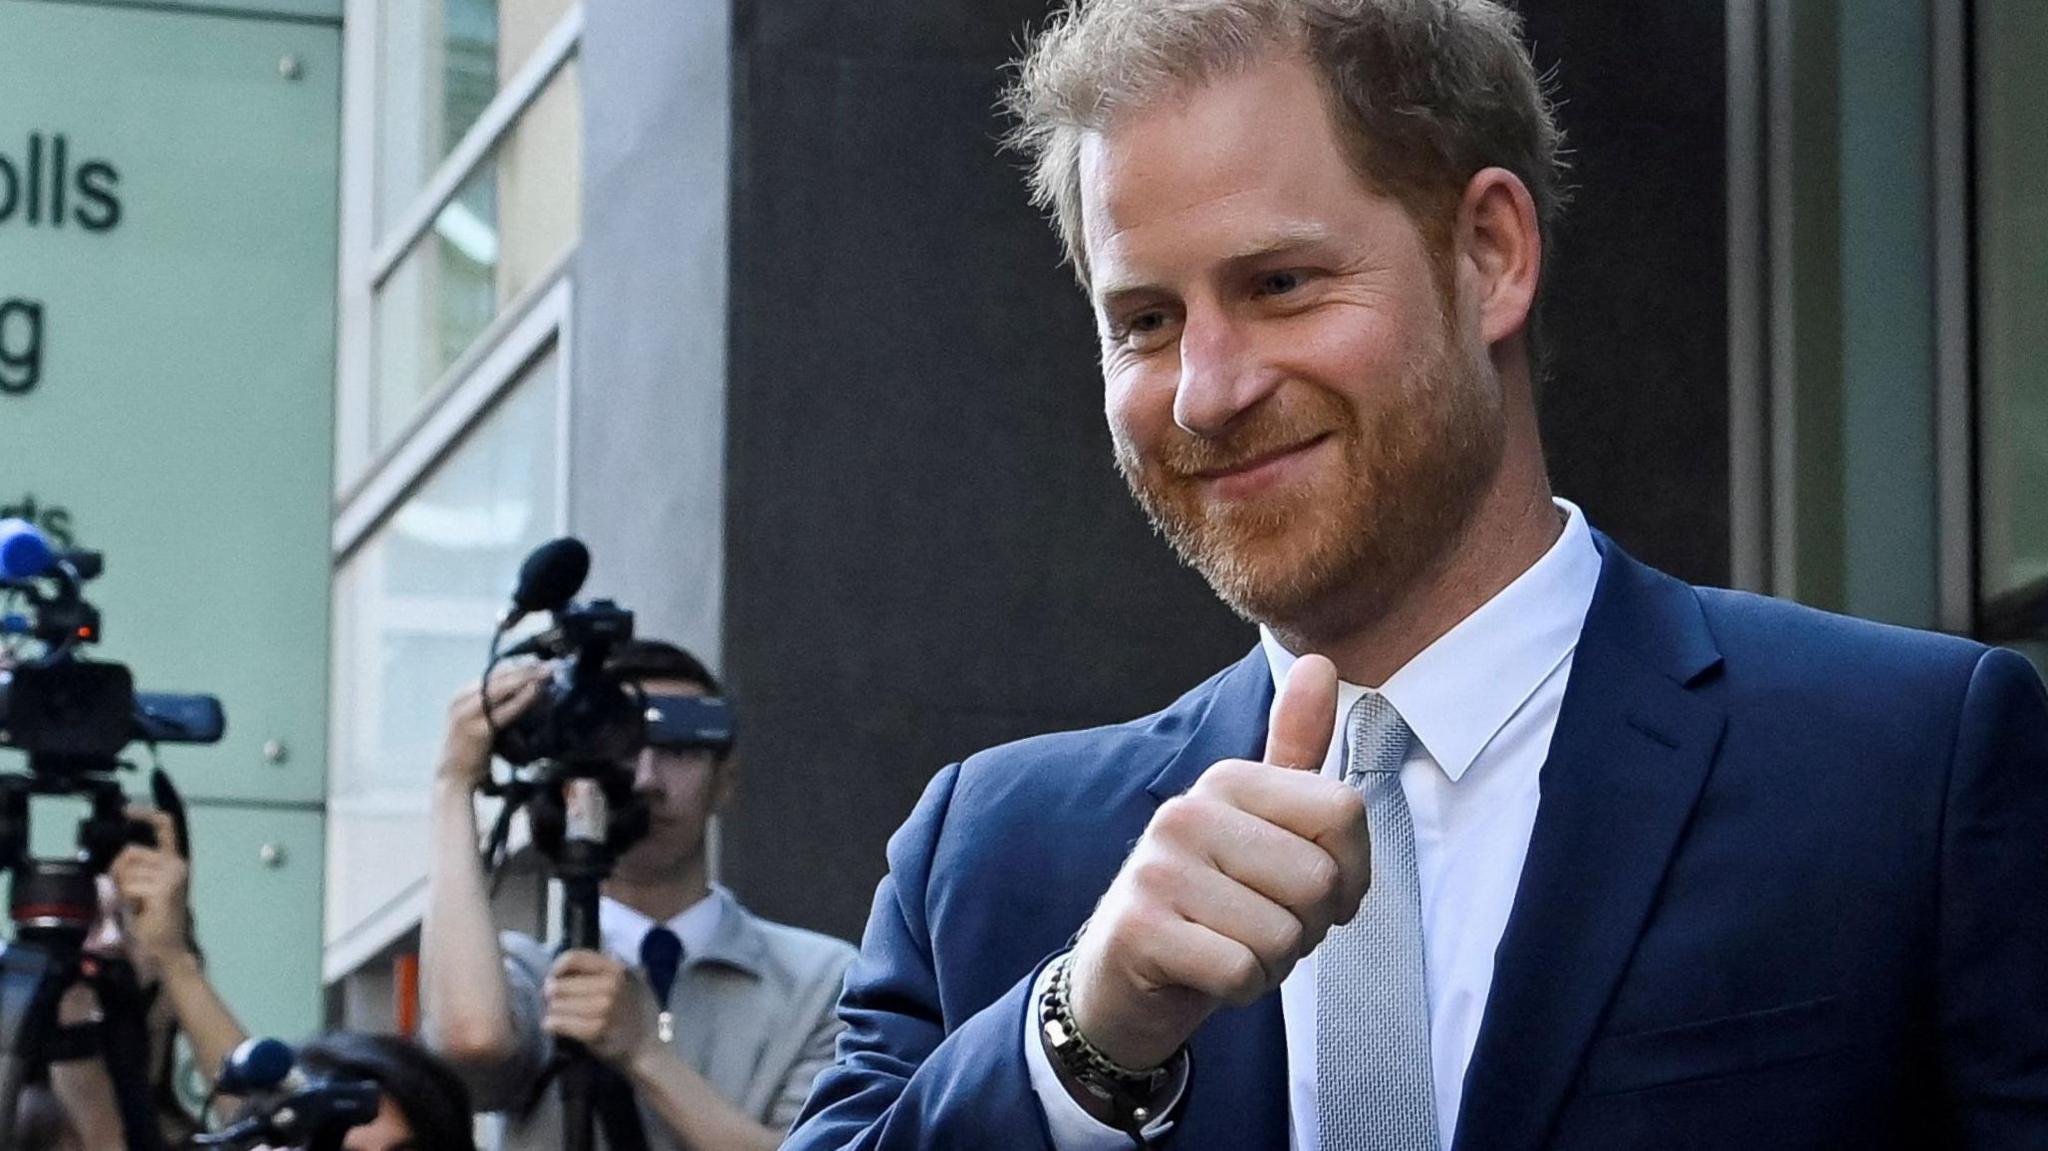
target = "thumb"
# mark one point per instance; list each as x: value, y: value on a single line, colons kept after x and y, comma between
x: 1299, y: 736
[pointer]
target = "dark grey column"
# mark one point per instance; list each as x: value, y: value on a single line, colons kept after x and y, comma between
x: 929, y: 549
x: 1635, y: 416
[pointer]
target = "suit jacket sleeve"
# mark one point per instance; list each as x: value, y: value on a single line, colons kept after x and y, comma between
x: 1992, y: 977
x: 907, y: 1076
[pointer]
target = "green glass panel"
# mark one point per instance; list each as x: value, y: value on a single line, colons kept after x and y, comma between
x: 167, y: 271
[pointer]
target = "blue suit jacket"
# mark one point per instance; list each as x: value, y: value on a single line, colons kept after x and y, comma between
x: 1788, y: 888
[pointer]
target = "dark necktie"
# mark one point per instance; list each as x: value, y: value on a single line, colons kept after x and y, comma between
x: 661, y: 956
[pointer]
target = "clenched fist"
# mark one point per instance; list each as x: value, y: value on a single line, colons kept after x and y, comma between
x: 153, y: 884
x: 1230, y: 886
x: 601, y: 1003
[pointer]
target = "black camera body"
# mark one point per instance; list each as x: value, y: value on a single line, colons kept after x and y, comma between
x: 69, y: 711
x: 72, y: 714
x: 585, y: 714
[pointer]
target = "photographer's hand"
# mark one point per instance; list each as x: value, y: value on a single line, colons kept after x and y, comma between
x: 606, y: 1006
x: 600, y: 1003
x: 466, y: 744
x: 154, y: 884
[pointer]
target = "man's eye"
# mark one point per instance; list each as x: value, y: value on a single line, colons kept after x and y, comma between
x: 1142, y: 330
x: 1279, y: 283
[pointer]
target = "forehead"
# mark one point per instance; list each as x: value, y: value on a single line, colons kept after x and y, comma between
x: 659, y: 686
x: 1246, y: 159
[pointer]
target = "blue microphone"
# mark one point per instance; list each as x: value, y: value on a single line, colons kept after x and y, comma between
x: 24, y: 552
x: 257, y: 1065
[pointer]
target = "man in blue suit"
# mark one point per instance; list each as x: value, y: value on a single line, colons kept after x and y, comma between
x: 1535, y: 847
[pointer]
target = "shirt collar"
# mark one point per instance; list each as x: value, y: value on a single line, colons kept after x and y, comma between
x: 1457, y: 693
x: 622, y: 928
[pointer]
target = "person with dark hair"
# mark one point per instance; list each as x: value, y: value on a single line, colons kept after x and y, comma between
x: 147, y: 920
x: 424, y: 1105
x: 713, y: 1020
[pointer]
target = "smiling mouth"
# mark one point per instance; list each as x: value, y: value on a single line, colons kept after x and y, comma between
x: 1262, y: 460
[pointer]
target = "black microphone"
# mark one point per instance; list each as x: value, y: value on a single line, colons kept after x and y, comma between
x: 551, y: 575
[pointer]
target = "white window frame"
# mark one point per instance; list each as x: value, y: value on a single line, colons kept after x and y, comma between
x: 533, y: 324
x: 368, y: 259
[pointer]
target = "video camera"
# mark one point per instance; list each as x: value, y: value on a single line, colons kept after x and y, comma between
x: 587, y: 712
x: 68, y: 713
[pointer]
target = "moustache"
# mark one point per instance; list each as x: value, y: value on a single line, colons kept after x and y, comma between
x: 1187, y: 456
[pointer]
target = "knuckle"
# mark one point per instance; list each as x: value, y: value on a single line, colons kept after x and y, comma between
x: 1347, y: 805
x: 1178, y: 817
x: 1244, y: 978
x: 1288, y: 939
x: 1222, y: 776
x: 1154, y: 874
x: 1321, y: 877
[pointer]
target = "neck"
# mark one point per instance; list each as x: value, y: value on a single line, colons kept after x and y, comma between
x: 661, y: 898
x: 1515, y: 524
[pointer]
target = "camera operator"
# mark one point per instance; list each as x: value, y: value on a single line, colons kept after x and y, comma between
x: 146, y: 892
x: 716, y: 1020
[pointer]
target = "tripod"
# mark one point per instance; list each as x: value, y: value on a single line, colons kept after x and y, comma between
x: 54, y: 904
x: 584, y: 814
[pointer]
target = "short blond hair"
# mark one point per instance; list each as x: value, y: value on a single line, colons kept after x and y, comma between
x: 1424, y: 93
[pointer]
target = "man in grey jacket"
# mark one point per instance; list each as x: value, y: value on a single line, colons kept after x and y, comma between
x: 718, y: 1020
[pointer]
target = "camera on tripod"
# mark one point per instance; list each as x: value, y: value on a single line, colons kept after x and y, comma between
x: 72, y: 717
x: 577, y: 745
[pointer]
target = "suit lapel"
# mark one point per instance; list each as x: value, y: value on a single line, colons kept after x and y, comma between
x: 1232, y: 725
x: 1238, y: 1094
x: 1627, y: 762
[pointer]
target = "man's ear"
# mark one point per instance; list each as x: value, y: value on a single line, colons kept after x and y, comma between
x: 1500, y: 252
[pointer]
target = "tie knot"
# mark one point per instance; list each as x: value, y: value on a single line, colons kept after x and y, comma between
x: 1375, y: 737
x: 661, y: 954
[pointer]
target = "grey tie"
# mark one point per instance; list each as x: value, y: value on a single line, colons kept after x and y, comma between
x: 1374, y: 1090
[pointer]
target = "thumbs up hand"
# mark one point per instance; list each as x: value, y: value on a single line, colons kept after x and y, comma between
x: 1230, y: 886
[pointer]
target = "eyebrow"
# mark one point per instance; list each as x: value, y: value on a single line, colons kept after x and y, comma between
x: 1287, y: 240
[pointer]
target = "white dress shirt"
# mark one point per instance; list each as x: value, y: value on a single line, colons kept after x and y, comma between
x: 622, y: 928
x: 1482, y: 701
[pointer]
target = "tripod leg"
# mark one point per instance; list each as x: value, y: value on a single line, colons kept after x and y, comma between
x: 125, y: 1050
x: 31, y: 980
x: 579, y: 1072
x: 12, y: 1071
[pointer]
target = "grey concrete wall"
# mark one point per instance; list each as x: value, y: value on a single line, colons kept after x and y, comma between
x: 647, y: 471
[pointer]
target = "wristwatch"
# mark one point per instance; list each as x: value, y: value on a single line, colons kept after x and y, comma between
x: 1136, y: 1098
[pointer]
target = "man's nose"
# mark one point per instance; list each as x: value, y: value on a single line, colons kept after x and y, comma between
x: 645, y: 780
x: 1221, y: 377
